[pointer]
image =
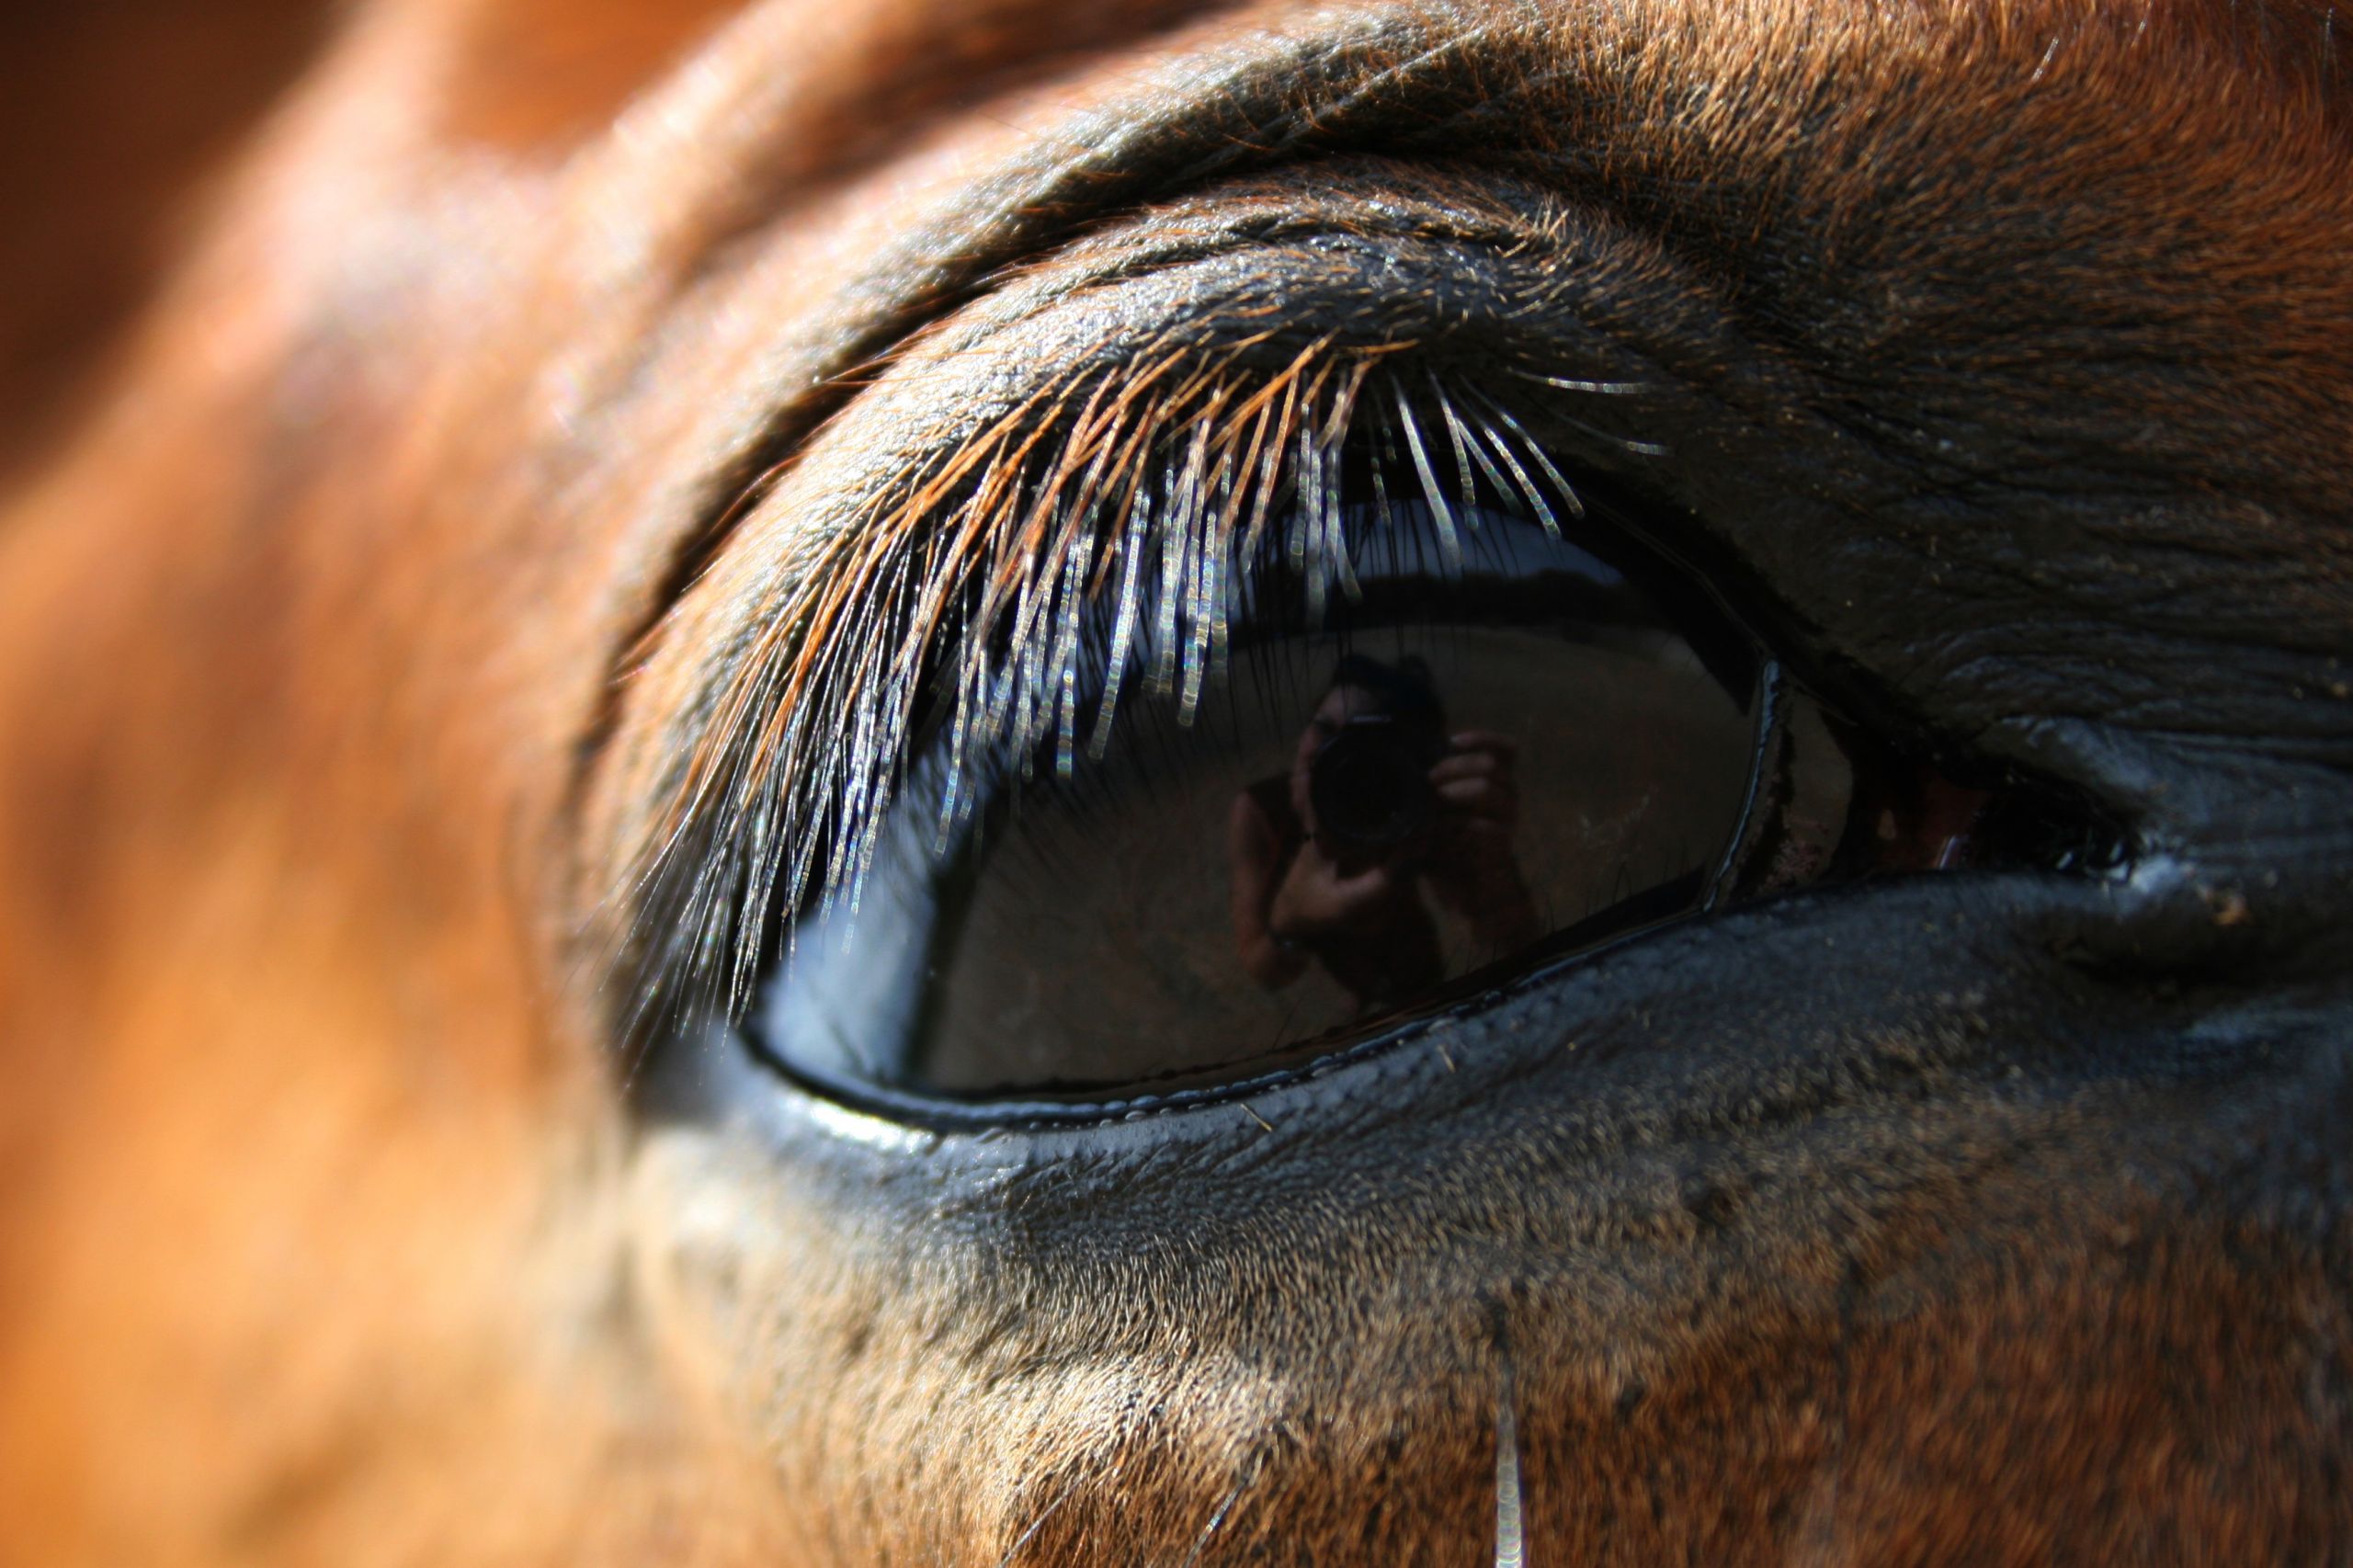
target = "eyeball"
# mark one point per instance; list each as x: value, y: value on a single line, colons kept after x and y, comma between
x: 1468, y: 764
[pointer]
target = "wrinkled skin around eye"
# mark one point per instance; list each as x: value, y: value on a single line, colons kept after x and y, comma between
x: 526, y: 398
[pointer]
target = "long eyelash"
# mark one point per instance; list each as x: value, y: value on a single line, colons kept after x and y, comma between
x: 1097, y: 529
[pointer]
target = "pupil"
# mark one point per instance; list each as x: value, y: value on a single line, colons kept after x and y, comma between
x: 1376, y: 807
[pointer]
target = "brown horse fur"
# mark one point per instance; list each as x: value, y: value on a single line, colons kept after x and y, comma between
x: 551, y: 387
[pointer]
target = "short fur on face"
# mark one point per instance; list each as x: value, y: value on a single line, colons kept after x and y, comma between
x: 570, y: 413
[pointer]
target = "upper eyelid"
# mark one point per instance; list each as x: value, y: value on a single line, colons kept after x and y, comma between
x: 1202, y: 116
x: 1608, y: 367
x: 1270, y: 102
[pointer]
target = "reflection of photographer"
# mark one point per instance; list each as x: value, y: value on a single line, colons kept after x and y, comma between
x: 1327, y: 861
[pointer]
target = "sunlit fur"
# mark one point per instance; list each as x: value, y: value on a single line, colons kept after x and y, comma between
x: 344, y: 695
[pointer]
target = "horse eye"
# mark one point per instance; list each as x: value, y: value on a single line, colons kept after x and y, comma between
x: 1494, y: 745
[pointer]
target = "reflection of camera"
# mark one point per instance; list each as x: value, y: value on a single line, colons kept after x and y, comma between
x: 1369, y: 784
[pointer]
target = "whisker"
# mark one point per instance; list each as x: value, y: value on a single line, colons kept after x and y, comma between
x: 1467, y: 443
x: 1030, y: 1532
x: 1123, y: 629
x: 1449, y: 541
x: 1510, y: 1544
x: 1219, y: 1515
x: 1604, y: 388
x: 1535, y: 451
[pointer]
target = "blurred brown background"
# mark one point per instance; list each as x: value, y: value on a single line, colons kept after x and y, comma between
x: 112, y: 113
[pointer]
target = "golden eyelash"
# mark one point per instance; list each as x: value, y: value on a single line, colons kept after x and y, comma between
x: 1097, y: 521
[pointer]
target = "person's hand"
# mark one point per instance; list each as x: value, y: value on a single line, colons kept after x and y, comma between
x: 1477, y: 785
x: 1470, y: 868
x: 1318, y: 896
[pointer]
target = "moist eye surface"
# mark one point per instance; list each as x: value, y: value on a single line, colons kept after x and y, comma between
x: 1474, y: 758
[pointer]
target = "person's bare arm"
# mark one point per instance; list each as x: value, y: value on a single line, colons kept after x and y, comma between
x: 1477, y: 875
x: 1252, y: 854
